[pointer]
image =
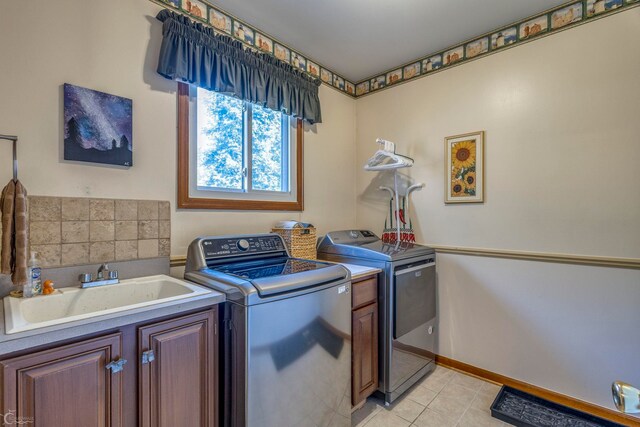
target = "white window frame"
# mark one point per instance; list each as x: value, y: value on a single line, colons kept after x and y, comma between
x: 246, y: 192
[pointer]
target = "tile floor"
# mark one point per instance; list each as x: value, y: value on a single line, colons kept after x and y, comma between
x: 445, y: 398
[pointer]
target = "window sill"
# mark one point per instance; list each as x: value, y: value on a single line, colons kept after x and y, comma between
x: 244, y: 205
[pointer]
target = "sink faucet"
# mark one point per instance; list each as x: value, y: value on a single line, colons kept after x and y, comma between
x: 105, y: 276
x: 104, y: 268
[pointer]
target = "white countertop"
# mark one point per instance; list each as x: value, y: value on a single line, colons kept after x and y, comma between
x: 358, y: 271
x: 49, y: 335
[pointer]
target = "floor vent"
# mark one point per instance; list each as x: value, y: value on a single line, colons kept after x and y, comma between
x: 524, y: 410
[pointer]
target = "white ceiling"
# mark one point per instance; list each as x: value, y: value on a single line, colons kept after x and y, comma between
x: 360, y: 38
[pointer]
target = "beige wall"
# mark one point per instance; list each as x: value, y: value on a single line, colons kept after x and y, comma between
x: 562, y: 149
x: 562, y: 154
x: 112, y: 46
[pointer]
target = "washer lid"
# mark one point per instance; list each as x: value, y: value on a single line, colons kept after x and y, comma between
x: 281, y: 275
x: 365, y: 244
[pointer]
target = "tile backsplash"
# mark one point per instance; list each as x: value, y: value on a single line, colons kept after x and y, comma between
x: 71, y: 231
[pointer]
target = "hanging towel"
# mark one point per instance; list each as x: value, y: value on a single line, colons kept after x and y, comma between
x: 7, y: 205
x: 15, y: 231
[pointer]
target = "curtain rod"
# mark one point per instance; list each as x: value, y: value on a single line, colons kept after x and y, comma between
x: 14, y: 139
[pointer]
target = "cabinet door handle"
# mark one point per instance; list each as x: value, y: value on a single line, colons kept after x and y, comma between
x: 148, y: 357
x: 116, y: 365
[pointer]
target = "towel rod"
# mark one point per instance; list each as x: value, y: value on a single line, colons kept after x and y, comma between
x: 14, y: 139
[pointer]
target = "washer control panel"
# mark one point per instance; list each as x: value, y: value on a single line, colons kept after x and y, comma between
x: 216, y: 247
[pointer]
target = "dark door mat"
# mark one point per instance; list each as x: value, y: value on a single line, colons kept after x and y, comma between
x: 524, y: 410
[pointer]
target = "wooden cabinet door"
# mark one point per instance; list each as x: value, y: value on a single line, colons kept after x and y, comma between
x: 65, y: 386
x: 364, y: 353
x: 179, y: 387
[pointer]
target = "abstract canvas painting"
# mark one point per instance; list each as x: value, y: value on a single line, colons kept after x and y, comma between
x: 98, y: 127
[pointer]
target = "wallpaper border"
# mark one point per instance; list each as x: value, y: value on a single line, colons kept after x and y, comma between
x: 555, y: 20
x: 257, y: 40
x: 552, y: 21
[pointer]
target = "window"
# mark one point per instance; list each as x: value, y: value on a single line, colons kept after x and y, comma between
x: 236, y: 155
x: 240, y: 146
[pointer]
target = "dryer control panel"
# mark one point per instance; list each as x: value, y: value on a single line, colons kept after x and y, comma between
x: 352, y: 236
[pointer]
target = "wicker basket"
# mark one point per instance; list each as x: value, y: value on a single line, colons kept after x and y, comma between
x: 300, y: 241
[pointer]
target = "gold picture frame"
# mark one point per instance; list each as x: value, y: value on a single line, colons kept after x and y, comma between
x: 464, y: 168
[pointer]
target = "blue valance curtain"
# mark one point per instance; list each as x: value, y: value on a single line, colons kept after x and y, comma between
x: 193, y: 53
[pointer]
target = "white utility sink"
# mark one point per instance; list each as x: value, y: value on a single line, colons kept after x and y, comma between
x: 71, y: 304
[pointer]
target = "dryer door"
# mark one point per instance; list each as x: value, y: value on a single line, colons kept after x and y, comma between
x: 414, y: 296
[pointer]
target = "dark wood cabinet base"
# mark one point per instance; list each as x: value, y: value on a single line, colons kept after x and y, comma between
x: 364, y: 333
x: 178, y: 386
x: 66, y: 386
x: 86, y: 383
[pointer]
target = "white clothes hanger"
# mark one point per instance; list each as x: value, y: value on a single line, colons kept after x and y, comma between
x: 387, y: 159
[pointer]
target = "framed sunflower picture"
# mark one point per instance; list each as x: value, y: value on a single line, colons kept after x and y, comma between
x: 464, y: 168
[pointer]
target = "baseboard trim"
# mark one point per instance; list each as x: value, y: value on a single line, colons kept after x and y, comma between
x: 553, y: 396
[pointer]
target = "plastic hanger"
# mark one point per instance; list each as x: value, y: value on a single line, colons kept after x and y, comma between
x: 387, y: 159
